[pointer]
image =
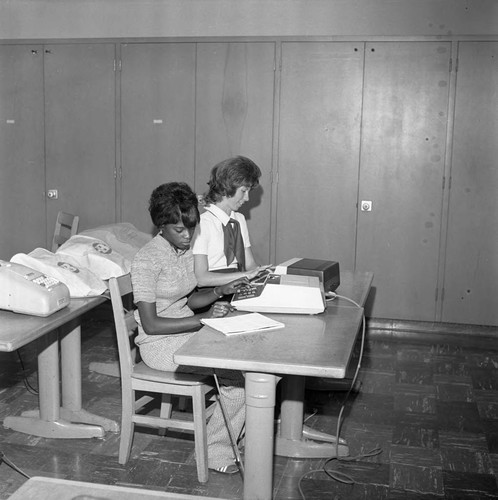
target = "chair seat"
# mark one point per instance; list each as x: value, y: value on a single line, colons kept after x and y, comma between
x: 144, y: 372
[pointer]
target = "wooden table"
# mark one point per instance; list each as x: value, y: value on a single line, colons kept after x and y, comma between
x: 317, y: 346
x: 45, y: 488
x: 53, y: 420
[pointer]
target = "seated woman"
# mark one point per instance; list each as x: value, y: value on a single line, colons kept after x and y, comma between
x: 221, y: 243
x: 164, y: 288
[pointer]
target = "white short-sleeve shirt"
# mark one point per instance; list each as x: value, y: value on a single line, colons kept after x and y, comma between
x: 209, y: 237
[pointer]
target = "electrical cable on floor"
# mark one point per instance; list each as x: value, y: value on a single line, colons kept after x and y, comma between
x: 315, y: 411
x: 28, y: 386
x: 231, y: 434
x: 3, y: 458
x: 334, y: 473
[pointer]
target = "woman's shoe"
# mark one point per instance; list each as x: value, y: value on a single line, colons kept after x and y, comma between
x: 227, y: 469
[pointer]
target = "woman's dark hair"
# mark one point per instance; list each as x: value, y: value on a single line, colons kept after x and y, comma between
x: 172, y: 202
x: 228, y: 175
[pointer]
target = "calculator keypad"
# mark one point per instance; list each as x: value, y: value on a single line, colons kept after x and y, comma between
x: 46, y: 281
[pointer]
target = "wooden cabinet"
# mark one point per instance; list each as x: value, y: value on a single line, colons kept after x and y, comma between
x: 58, y: 133
x: 80, y: 134
x: 403, y: 148
x: 366, y: 124
x: 234, y: 116
x: 22, y: 168
x: 157, y: 123
x: 184, y: 108
x: 332, y: 124
x: 471, y: 266
x: 318, y: 151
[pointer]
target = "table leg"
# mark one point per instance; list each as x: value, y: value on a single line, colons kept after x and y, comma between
x: 46, y: 421
x: 48, y: 378
x: 258, y: 454
x: 71, y: 382
x: 293, y: 438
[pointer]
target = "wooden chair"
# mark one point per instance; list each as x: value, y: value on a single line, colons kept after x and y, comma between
x: 66, y: 226
x: 137, y: 376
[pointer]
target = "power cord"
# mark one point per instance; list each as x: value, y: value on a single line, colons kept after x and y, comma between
x: 26, y: 382
x: 231, y: 433
x: 3, y: 458
x: 334, y: 473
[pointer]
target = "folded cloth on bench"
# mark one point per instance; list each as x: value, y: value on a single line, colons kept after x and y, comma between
x: 123, y: 237
x: 81, y: 281
x: 96, y: 255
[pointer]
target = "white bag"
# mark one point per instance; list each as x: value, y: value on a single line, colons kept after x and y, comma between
x: 96, y: 255
x: 123, y: 237
x: 82, y: 282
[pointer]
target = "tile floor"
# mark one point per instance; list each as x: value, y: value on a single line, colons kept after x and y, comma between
x: 430, y: 410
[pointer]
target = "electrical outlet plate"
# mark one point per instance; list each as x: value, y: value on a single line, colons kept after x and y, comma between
x: 366, y: 206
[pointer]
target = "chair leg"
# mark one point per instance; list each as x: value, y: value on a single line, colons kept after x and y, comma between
x: 127, y: 426
x: 166, y: 409
x: 200, y: 434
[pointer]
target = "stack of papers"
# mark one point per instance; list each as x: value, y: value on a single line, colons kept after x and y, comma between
x: 242, y: 323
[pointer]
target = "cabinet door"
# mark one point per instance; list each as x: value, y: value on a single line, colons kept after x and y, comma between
x: 318, y: 151
x: 80, y: 132
x: 22, y: 171
x: 234, y: 116
x: 403, y: 142
x: 471, y: 272
x: 157, y: 123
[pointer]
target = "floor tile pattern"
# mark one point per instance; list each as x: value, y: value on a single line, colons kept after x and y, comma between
x: 421, y: 423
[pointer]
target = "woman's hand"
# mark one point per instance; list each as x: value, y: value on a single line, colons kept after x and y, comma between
x: 253, y: 273
x: 260, y: 270
x: 220, y: 309
x: 233, y: 286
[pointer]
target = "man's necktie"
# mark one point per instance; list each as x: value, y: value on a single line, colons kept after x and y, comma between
x: 234, y: 244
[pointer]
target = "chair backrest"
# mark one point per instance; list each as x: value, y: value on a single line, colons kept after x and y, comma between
x: 124, y: 322
x: 66, y: 226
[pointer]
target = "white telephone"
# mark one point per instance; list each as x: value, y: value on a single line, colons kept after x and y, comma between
x: 27, y: 291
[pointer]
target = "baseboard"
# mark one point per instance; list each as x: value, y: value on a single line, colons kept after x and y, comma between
x: 429, y: 331
x: 417, y: 332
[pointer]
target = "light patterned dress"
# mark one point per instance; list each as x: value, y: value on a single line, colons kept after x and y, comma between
x: 164, y: 276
